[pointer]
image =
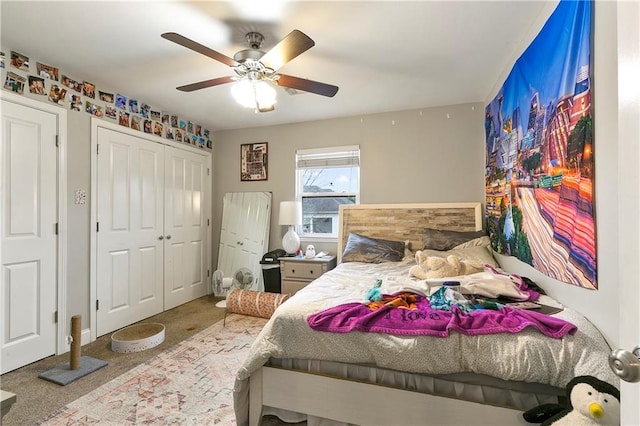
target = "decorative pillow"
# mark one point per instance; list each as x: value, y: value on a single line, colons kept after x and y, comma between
x: 435, y: 239
x: 476, y: 242
x: 254, y: 303
x: 372, y: 250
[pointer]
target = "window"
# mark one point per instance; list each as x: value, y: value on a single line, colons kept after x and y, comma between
x: 325, y: 179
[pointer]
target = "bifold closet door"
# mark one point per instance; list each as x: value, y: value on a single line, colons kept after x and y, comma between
x: 130, y: 237
x: 186, y: 241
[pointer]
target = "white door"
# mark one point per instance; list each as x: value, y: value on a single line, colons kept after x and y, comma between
x: 244, y: 234
x: 130, y: 215
x: 186, y: 230
x: 29, y: 216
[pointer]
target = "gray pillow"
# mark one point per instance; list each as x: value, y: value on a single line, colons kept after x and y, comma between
x: 435, y: 239
x: 372, y: 250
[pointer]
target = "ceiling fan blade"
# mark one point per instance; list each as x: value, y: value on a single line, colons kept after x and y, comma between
x: 295, y: 43
x: 307, y: 85
x: 190, y: 44
x: 206, y: 83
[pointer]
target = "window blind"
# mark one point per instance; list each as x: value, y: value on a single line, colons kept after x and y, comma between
x: 342, y: 156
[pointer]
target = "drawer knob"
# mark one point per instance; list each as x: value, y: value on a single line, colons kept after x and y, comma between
x: 311, y: 271
x: 293, y: 271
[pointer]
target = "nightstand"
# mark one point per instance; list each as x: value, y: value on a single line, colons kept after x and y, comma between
x: 297, y: 272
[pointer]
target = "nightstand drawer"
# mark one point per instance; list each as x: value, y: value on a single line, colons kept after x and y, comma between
x: 307, y: 271
x: 291, y: 287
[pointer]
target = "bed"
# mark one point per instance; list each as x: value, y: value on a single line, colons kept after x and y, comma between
x: 297, y: 373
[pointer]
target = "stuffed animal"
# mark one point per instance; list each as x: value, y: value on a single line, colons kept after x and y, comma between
x: 440, y: 267
x: 435, y: 267
x: 590, y: 401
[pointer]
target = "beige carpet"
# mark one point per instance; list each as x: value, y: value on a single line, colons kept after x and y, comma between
x: 189, y: 384
x: 38, y: 398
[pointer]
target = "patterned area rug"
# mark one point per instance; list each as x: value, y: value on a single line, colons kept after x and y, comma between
x: 191, y: 383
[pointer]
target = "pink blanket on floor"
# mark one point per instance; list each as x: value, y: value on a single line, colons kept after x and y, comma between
x: 424, y: 320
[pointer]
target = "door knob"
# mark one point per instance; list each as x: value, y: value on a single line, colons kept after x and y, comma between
x: 169, y: 237
x: 626, y: 364
x: 161, y: 237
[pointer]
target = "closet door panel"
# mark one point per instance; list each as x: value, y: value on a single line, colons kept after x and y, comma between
x: 130, y: 207
x: 186, y: 185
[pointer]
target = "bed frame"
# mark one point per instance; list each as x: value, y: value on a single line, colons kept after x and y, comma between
x: 363, y: 403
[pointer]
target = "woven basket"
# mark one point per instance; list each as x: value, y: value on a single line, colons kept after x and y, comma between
x: 254, y: 303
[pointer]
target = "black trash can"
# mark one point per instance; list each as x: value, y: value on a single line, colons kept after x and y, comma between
x: 271, y: 271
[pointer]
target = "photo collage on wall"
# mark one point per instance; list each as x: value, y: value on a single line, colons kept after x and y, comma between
x: 44, y: 82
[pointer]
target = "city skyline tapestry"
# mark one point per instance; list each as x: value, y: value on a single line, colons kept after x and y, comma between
x: 539, y: 152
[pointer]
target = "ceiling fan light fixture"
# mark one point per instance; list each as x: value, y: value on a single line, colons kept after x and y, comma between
x: 256, y: 94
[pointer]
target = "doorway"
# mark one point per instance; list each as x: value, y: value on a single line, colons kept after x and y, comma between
x: 33, y: 224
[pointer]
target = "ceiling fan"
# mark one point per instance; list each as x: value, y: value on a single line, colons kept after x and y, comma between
x: 253, y: 65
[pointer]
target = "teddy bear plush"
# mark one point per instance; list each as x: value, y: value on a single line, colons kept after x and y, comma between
x: 436, y: 266
x: 428, y: 267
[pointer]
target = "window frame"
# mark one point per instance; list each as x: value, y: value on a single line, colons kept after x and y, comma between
x: 330, y: 157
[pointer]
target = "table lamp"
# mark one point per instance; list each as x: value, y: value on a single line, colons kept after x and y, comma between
x: 290, y: 215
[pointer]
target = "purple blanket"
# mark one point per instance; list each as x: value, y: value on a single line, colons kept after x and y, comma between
x: 424, y: 320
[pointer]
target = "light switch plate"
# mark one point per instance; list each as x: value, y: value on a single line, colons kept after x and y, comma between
x: 80, y: 196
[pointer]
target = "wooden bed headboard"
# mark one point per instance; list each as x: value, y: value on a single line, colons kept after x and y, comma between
x: 406, y: 222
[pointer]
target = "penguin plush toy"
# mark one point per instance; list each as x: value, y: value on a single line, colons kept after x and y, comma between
x: 590, y: 402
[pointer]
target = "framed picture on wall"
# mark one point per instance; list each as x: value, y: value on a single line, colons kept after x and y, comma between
x: 253, y: 161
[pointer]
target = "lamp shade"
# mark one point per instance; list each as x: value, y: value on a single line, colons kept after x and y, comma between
x: 290, y: 213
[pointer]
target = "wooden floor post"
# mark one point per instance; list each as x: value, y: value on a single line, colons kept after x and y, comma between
x: 76, y: 325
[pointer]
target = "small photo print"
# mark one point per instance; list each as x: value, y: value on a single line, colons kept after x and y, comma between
x: 111, y: 112
x: 206, y: 133
x: 190, y: 127
x: 183, y: 125
x: 178, y: 135
x: 169, y: 134
x: 144, y: 110
x: 57, y: 94
x: 89, y: 89
x: 93, y: 109
x: 14, y: 82
x: 147, y: 126
x: 155, y: 115
x: 121, y: 101
x: 47, y: 71
x: 202, y: 142
x: 157, y: 129
x: 71, y: 84
x: 75, y: 102
x: 106, y: 97
x: 165, y: 118
x: 123, y: 118
x: 174, y: 121
x: 2, y: 60
x: 133, y: 106
x: 135, y: 122
x: 209, y: 144
x: 36, y: 85
x: 194, y: 140
x: 198, y: 130
x: 20, y: 61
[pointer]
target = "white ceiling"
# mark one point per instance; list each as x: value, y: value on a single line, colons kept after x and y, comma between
x: 384, y: 56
